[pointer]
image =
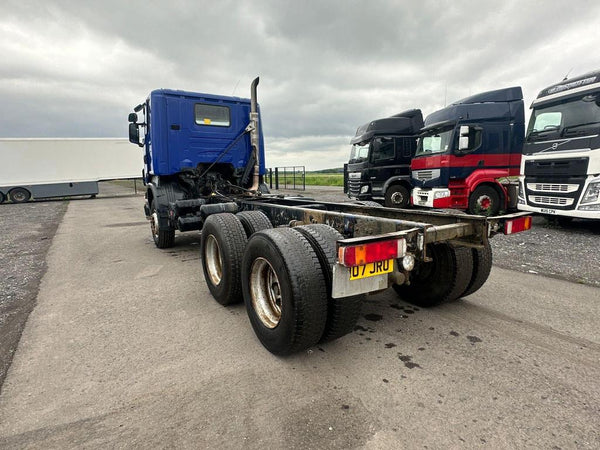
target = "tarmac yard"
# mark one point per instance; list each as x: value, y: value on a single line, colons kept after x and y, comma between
x: 126, y: 348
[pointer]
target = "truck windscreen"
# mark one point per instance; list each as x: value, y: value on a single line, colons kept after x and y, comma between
x: 359, y: 153
x: 579, y: 116
x: 438, y: 141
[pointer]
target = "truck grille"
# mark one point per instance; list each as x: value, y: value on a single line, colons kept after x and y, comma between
x: 353, y: 187
x: 552, y: 201
x: 556, y: 167
x: 547, y: 187
x: 426, y: 175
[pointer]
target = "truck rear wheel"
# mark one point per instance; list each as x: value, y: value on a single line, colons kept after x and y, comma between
x: 254, y: 221
x: 163, y: 238
x: 482, y: 266
x: 1, y: 197
x: 443, y: 279
x: 222, y: 242
x: 284, y: 290
x: 484, y: 201
x: 342, y: 313
x: 397, y: 196
x: 19, y: 195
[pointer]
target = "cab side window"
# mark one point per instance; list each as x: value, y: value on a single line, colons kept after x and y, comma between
x: 383, y: 148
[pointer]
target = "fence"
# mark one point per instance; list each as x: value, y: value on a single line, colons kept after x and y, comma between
x: 292, y: 177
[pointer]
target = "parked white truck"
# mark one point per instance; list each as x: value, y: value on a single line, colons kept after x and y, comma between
x: 60, y: 167
x: 560, y: 167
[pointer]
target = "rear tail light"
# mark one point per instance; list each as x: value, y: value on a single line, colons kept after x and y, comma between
x: 358, y: 255
x: 517, y: 225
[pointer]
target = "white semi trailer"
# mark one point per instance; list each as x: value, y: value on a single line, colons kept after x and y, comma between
x: 60, y: 167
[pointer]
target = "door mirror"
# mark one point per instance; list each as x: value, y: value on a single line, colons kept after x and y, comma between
x: 133, y: 117
x: 134, y: 134
x: 463, y: 139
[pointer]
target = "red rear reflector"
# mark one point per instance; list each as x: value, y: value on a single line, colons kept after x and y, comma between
x: 359, y: 255
x: 517, y: 225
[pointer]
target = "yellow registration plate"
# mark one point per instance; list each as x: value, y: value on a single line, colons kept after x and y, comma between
x: 371, y: 269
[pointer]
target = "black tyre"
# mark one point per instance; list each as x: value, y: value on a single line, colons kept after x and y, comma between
x: 163, y: 238
x: 19, y: 195
x: 484, y: 201
x: 441, y: 280
x: 368, y: 203
x: 482, y: 266
x: 342, y: 313
x: 284, y: 290
x: 254, y: 221
x: 397, y: 196
x: 222, y: 242
x: 1, y: 197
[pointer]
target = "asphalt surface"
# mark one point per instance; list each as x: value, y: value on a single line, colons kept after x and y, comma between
x: 127, y: 348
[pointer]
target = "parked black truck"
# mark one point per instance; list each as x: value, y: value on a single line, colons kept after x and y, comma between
x: 379, y: 165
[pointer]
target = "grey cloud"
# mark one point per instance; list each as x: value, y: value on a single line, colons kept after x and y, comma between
x: 325, y: 66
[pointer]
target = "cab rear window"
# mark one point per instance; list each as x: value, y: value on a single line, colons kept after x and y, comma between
x: 212, y: 115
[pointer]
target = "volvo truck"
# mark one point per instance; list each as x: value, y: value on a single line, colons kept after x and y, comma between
x: 560, y: 170
x: 302, y: 266
x: 468, y: 154
x: 379, y: 165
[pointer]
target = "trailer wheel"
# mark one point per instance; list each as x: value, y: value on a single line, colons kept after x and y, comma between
x: 342, y: 313
x: 223, y: 240
x: 254, y: 221
x: 284, y: 290
x: 482, y: 265
x: 162, y: 238
x: 19, y: 195
x: 397, y: 196
x: 441, y: 280
x: 484, y: 201
x: 2, y: 197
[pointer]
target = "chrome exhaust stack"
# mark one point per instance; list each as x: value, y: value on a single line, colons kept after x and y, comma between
x: 254, y: 136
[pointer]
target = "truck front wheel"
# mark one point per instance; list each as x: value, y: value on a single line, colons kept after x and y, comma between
x: 284, y: 290
x: 484, y: 201
x: 397, y: 196
x: 19, y: 195
x: 443, y: 279
x: 162, y: 238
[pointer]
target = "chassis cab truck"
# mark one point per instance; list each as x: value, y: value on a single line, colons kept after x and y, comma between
x: 467, y: 150
x: 195, y: 146
x: 379, y: 165
x: 560, y: 169
x: 302, y: 267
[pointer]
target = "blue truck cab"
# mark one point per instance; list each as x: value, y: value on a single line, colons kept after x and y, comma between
x: 197, y: 147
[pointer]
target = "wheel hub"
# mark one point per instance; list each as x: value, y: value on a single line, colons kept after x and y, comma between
x: 213, y: 260
x: 265, y: 291
x: 397, y: 198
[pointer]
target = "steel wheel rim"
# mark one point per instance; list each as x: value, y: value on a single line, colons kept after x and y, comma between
x: 484, y: 203
x: 154, y: 224
x: 397, y: 198
x: 19, y: 196
x: 266, y: 293
x: 213, y: 260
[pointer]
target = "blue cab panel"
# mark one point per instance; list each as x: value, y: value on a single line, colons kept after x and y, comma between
x: 188, y: 129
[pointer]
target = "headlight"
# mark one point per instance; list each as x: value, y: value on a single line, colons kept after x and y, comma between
x: 591, y: 193
x: 364, y: 189
x: 521, y: 191
x: 441, y: 194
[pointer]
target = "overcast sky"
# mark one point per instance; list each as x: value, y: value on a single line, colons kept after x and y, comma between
x: 76, y: 68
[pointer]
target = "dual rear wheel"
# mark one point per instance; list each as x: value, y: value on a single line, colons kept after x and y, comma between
x: 283, y: 275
